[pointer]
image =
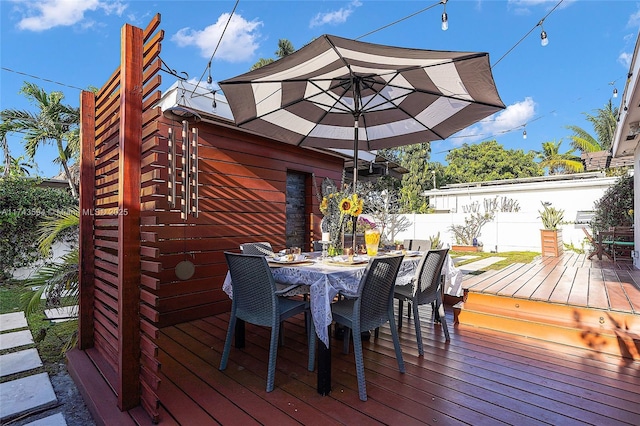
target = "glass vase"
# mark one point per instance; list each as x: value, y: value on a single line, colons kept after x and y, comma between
x: 372, y: 241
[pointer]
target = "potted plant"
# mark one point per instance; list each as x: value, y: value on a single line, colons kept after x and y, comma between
x: 551, y: 236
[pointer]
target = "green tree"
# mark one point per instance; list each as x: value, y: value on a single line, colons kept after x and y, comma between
x: 285, y: 48
x: 17, y: 167
x: 415, y: 158
x: 556, y: 162
x: 615, y: 208
x: 54, y: 122
x: 604, y: 124
x: 489, y: 160
x: 58, y: 280
x: 23, y: 204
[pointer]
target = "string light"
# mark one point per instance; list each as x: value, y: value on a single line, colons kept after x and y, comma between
x: 544, y: 40
x: 445, y: 18
x: 524, y: 134
x: 615, y: 92
x: 543, y: 36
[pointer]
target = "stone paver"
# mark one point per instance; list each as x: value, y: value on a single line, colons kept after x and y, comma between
x: 12, y: 321
x: 54, y: 420
x: 479, y: 264
x: 15, y: 339
x: 26, y: 394
x: 64, y: 313
x: 459, y: 259
x: 16, y: 362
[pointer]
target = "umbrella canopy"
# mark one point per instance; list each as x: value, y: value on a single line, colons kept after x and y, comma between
x: 341, y: 93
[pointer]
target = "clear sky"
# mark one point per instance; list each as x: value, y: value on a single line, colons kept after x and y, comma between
x: 65, y: 45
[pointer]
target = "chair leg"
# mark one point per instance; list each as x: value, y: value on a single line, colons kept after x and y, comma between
x: 345, y: 340
x: 312, y: 345
x: 227, y: 342
x: 416, y: 323
x: 396, y: 340
x: 400, y: 305
x: 443, y: 320
x: 281, y: 334
x: 273, y: 353
x: 357, y: 350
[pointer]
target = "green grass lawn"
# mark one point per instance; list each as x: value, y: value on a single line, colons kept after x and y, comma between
x: 509, y: 258
x: 51, y: 339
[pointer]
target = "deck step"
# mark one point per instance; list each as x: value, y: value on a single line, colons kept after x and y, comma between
x: 616, y: 333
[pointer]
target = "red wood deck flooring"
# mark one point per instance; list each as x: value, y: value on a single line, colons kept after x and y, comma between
x: 480, y: 377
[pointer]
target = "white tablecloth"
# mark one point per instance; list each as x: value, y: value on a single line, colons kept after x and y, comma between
x: 325, y: 281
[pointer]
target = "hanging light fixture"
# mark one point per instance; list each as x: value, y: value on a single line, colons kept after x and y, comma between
x: 544, y: 40
x: 615, y: 92
x: 445, y: 18
x: 524, y: 134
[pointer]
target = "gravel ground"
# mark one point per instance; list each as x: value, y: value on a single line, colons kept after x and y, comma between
x: 70, y: 403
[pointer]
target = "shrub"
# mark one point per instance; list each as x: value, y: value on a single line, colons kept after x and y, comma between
x: 615, y: 208
x: 23, y: 205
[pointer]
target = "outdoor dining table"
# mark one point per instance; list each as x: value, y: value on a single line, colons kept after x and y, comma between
x: 325, y: 280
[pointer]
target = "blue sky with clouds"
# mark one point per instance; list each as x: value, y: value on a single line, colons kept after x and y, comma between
x: 68, y: 45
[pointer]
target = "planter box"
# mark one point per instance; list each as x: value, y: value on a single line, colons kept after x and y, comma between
x: 551, y: 241
x: 466, y: 248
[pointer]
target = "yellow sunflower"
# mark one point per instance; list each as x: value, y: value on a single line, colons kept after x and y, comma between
x: 358, y: 208
x: 346, y: 206
x: 324, y: 205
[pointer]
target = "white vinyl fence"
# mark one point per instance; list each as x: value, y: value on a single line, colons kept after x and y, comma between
x: 507, y: 232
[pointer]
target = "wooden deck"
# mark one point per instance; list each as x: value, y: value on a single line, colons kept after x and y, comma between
x: 569, y: 299
x: 480, y: 377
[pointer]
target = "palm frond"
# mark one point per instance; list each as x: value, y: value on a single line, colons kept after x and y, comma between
x: 53, y: 226
x: 57, y: 280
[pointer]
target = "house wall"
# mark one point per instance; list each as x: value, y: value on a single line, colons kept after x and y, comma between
x: 242, y: 198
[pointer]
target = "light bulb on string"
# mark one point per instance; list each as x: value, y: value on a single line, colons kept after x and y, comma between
x: 524, y: 134
x: 445, y: 18
x: 615, y: 92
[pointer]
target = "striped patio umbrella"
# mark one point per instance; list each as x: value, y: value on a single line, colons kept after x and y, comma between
x: 341, y: 93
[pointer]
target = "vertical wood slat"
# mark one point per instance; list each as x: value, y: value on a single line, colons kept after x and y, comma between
x: 129, y: 217
x: 85, y: 245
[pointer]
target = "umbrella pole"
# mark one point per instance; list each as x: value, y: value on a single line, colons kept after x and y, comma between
x: 355, y: 178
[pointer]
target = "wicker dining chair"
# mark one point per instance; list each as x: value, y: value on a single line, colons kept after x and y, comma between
x: 256, y: 301
x: 425, y: 288
x: 262, y: 248
x: 371, y: 308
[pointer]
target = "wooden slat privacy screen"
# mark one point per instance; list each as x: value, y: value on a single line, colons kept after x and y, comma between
x: 132, y: 239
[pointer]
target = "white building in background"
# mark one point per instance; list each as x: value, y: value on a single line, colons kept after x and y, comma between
x: 512, y: 231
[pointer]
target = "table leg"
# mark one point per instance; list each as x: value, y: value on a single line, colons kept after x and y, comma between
x: 239, y: 333
x: 324, y: 367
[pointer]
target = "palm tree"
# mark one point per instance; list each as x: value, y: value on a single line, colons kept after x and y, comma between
x: 261, y: 63
x: 285, y: 47
x: 557, y: 163
x: 53, y: 122
x: 604, y: 124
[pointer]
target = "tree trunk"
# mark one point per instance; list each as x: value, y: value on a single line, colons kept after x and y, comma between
x: 63, y: 160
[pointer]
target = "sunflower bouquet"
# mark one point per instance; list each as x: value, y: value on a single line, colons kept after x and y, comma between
x: 338, y: 206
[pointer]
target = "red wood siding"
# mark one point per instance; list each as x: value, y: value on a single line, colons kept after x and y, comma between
x: 132, y: 239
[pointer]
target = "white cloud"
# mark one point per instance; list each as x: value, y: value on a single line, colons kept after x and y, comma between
x: 625, y: 59
x: 47, y: 14
x: 239, y: 43
x: 514, y: 117
x: 336, y: 17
